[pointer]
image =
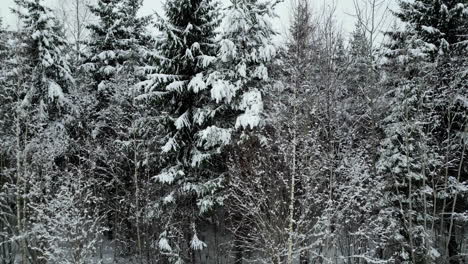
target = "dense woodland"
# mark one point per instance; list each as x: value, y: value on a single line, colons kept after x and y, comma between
x: 193, y: 136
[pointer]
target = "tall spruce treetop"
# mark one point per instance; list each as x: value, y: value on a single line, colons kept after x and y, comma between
x: 44, y: 112
x: 360, y: 71
x: 118, y: 40
x: 6, y: 93
x: 205, y: 91
x: 137, y: 37
x: 422, y: 120
x: 43, y: 51
x: 115, y: 38
x: 359, y: 44
x: 188, y: 37
x: 436, y: 26
x: 2, y: 33
x: 42, y: 81
x: 187, y: 49
x: 301, y: 32
x: 246, y: 52
x: 104, y: 48
x: 3, y: 50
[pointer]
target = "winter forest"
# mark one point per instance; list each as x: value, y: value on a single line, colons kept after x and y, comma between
x: 195, y: 136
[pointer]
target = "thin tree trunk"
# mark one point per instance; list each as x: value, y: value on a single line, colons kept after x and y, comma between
x: 78, y: 30
x: 410, y: 189
x: 293, y: 182
x: 444, y: 204
x: 454, y: 202
x: 137, y: 196
x: 19, y: 190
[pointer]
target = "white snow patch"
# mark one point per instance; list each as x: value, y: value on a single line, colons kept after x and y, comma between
x: 198, y: 157
x: 164, y: 244
x: 197, y: 244
x: 242, y: 69
x: 267, y: 52
x: 56, y: 93
x: 176, y: 86
x: 227, y: 51
x: 201, y: 116
x: 252, y: 105
x: 213, y: 136
x: 169, y: 198
x: 197, y: 84
x: 430, y: 30
x: 261, y: 72
x: 170, y: 145
x: 183, y: 121
x: 434, y: 253
x: 106, y: 55
x: 207, y: 60
x: 223, y: 90
x: 168, y: 176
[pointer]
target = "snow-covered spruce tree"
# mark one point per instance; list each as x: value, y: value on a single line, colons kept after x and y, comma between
x: 136, y: 135
x: 178, y: 88
x: 43, y: 46
x: 6, y: 96
x: 116, y: 38
x: 50, y: 219
x: 423, y: 152
x: 206, y: 92
x: 3, y: 45
x: 246, y: 52
x: 7, y: 145
x: 106, y: 50
x: 404, y: 150
x: 360, y: 74
x: 438, y: 24
x: 115, y: 51
x: 42, y: 81
x: 242, y: 79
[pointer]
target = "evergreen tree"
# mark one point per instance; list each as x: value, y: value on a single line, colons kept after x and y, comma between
x: 6, y: 94
x: 403, y: 152
x: 241, y: 81
x: 7, y: 143
x: 437, y: 25
x: 116, y: 41
x: 361, y: 62
x: 44, y: 114
x: 115, y: 52
x: 423, y: 124
x: 3, y: 43
x: 246, y: 53
x: 186, y: 52
x: 44, y: 47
